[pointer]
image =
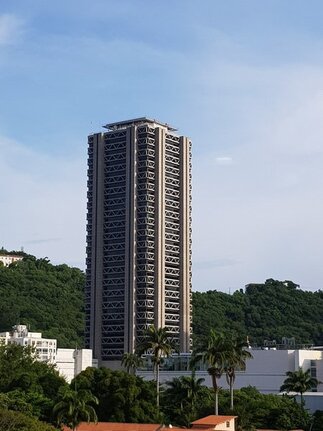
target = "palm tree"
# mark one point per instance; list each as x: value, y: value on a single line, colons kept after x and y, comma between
x: 75, y: 407
x: 236, y: 359
x: 215, y: 355
x: 186, y: 388
x: 193, y: 387
x: 158, y: 342
x: 185, y: 391
x: 299, y: 381
x: 131, y: 361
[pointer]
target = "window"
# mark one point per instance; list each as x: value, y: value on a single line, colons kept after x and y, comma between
x: 227, y: 424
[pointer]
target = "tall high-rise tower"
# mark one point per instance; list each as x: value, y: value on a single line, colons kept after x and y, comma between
x: 138, y: 236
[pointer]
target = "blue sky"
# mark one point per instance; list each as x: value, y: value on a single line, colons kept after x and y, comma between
x: 243, y: 79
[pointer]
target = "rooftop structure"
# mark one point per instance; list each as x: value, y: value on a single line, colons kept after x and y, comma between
x: 218, y: 423
x: 138, y: 122
x: 210, y: 421
x: 115, y: 426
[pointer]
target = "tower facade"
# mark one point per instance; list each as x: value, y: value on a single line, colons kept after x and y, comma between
x: 138, y: 236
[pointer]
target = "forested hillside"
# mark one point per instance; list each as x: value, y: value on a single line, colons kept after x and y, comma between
x: 45, y: 297
x: 269, y: 311
x: 49, y: 299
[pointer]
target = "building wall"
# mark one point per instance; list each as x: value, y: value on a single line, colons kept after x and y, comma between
x: 138, y: 237
x: 226, y: 426
x: 83, y: 360
x: 266, y: 371
x: 71, y: 362
x: 313, y: 401
x: 65, y: 363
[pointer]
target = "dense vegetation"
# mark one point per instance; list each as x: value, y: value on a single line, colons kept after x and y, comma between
x: 31, y: 391
x: 49, y: 298
x: 17, y: 421
x: 21, y: 253
x: 122, y: 397
x: 268, y: 311
x: 254, y: 410
x: 45, y: 297
x: 27, y: 386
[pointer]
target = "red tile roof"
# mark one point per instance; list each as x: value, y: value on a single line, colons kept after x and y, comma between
x: 115, y: 426
x: 205, y: 424
x: 212, y: 420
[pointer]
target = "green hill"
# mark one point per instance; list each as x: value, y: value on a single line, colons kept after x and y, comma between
x: 49, y: 298
x: 270, y: 311
x: 45, y: 297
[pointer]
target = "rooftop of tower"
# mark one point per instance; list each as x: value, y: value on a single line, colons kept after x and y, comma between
x: 137, y: 122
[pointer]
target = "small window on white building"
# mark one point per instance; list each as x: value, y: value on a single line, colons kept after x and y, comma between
x: 227, y: 424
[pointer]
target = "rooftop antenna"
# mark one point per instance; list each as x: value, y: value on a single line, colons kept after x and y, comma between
x: 248, y: 342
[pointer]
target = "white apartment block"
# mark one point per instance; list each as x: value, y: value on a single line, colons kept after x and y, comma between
x: 8, y: 259
x: 69, y: 362
x: 45, y: 348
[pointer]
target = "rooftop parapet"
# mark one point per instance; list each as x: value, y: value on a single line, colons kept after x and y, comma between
x: 137, y: 122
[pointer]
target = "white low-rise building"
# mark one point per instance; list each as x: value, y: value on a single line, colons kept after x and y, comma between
x: 69, y: 362
x: 8, y: 259
x: 266, y: 371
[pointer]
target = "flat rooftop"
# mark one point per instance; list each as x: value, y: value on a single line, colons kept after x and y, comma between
x: 137, y: 122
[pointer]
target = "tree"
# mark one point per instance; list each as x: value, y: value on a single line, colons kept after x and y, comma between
x: 236, y: 359
x: 131, y: 361
x: 75, y: 407
x: 215, y: 354
x: 317, y: 421
x: 158, y: 342
x: 192, y: 386
x: 122, y: 397
x: 17, y: 421
x: 182, y: 397
x: 264, y: 411
x: 29, y: 385
x: 299, y: 381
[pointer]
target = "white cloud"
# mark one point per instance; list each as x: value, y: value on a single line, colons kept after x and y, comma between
x: 224, y: 160
x: 10, y: 29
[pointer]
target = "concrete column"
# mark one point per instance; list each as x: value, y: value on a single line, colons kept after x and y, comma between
x: 97, y: 238
x: 160, y: 228
x: 185, y: 279
x: 130, y: 246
